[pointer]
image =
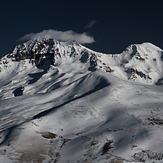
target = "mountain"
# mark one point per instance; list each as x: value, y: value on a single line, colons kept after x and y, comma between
x: 139, y: 62
x: 62, y: 102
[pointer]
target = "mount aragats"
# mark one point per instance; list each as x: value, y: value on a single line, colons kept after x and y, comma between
x: 62, y: 102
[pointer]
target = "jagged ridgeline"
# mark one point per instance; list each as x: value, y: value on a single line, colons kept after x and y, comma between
x: 39, y: 51
x: 139, y: 62
x: 35, y: 50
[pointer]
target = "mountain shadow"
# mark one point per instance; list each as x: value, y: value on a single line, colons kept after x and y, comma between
x: 102, y: 84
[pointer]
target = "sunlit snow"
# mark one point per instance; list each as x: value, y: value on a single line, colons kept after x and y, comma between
x: 62, y: 102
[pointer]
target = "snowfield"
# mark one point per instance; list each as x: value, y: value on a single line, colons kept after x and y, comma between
x: 61, y: 102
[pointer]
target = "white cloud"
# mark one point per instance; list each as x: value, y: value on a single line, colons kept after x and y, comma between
x: 59, y: 35
x: 91, y: 23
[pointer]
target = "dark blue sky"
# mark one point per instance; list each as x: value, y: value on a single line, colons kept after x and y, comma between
x: 119, y: 23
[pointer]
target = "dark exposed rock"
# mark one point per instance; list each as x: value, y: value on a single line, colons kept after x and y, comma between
x: 48, y: 135
x: 108, y: 69
x: 159, y: 82
x: 23, y: 53
x: 107, y: 147
x: 141, y: 156
x: 156, y: 121
x: 18, y: 91
x: 139, y: 73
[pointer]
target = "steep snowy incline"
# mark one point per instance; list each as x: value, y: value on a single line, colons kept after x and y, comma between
x: 139, y: 62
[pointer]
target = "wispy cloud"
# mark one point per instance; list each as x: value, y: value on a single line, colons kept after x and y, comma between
x: 82, y: 38
x: 91, y: 23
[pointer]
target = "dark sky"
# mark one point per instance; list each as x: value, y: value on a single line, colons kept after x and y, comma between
x: 119, y: 23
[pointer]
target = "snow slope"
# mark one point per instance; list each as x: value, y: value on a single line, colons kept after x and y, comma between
x: 62, y: 102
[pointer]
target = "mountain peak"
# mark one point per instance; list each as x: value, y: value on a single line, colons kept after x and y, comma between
x: 149, y: 46
x: 139, y: 62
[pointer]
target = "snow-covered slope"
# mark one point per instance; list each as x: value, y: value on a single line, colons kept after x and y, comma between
x: 139, y: 62
x: 62, y: 102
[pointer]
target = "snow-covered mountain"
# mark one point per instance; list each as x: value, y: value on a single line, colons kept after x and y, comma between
x: 139, y: 62
x: 62, y: 102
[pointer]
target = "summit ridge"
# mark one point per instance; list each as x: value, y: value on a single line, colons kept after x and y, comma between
x: 139, y: 62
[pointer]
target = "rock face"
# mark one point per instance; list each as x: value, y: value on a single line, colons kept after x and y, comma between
x: 38, y: 51
x: 18, y: 91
